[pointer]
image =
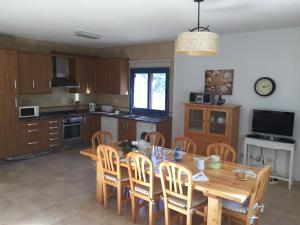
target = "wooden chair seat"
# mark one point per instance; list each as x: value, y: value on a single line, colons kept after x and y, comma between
x: 198, y: 199
x: 157, y: 189
x: 124, y: 176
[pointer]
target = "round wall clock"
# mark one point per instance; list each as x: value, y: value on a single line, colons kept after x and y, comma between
x: 265, y: 86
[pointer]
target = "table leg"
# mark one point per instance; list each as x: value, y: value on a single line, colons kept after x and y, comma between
x: 214, y: 215
x: 99, y: 186
x: 291, y: 170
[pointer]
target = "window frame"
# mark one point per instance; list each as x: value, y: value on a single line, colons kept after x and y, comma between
x: 150, y: 71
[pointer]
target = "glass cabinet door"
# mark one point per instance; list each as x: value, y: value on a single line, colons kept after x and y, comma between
x: 196, y: 120
x: 217, y: 122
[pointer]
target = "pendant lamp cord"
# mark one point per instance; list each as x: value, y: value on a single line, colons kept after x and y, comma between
x: 199, y: 16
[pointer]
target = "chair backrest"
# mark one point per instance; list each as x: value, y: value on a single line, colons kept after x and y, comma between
x: 155, y: 138
x: 176, y: 181
x: 101, y: 138
x: 109, y: 161
x: 140, y: 171
x: 225, y: 151
x: 259, y: 190
x: 186, y: 143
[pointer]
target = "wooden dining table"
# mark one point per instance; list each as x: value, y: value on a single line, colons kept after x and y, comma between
x: 221, y: 185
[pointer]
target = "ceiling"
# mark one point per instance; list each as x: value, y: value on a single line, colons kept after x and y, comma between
x: 122, y: 22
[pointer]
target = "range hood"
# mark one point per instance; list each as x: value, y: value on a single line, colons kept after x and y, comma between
x: 62, y: 73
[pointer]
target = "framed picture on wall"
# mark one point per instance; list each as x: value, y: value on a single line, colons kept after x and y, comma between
x: 219, y: 81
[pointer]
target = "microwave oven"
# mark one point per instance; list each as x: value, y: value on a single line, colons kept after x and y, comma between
x: 29, y: 111
x: 205, y: 98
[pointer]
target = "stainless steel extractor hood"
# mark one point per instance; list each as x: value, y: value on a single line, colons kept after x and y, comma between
x: 61, y: 73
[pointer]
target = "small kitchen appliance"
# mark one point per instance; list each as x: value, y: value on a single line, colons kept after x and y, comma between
x: 29, y: 111
x: 92, y: 107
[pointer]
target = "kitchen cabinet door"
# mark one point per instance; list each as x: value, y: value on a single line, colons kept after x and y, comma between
x: 43, y: 74
x: 8, y: 71
x: 8, y: 125
x: 101, y: 77
x: 84, y: 75
x: 126, y: 129
x: 87, y: 128
x: 34, y: 73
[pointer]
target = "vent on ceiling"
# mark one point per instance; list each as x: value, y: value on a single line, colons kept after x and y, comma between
x: 89, y: 35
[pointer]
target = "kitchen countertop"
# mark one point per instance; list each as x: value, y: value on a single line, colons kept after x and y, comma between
x: 73, y: 113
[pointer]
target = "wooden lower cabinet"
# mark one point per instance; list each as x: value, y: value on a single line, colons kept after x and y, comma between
x: 165, y: 127
x: 91, y: 124
x: 126, y: 129
x: 8, y: 126
x: 36, y: 135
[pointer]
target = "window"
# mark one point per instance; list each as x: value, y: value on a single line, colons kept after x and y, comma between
x: 149, y: 88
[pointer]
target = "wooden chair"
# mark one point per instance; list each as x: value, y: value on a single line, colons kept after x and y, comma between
x: 179, y: 194
x: 143, y: 184
x: 226, y: 152
x: 249, y: 212
x: 112, y: 174
x: 101, y: 138
x: 155, y: 138
x: 186, y: 143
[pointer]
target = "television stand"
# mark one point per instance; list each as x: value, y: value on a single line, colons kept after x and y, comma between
x: 271, y: 138
x: 282, y: 145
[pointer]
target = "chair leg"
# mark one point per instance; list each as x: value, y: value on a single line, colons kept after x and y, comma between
x: 105, y: 194
x: 189, y: 218
x: 119, y: 194
x: 150, y: 213
x: 167, y: 213
x: 133, y: 208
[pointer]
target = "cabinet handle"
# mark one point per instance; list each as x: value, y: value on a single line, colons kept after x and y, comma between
x: 53, y: 145
x: 33, y: 143
x: 53, y: 139
x: 34, y: 130
x: 53, y: 133
x: 15, y: 84
x: 32, y: 124
x: 16, y: 102
x: 51, y: 128
x: 53, y: 121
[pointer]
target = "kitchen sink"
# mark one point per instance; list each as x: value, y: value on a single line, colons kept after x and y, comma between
x: 131, y: 116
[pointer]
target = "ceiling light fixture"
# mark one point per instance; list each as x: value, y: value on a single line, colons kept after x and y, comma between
x: 199, y: 41
x: 85, y: 34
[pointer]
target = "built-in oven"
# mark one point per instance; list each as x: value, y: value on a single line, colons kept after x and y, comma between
x: 72, y: 129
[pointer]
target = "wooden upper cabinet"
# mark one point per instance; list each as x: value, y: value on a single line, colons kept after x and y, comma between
x: 112, y: 76
x: 84, y: 75
x: 8, y: 72
x: 35, y: 73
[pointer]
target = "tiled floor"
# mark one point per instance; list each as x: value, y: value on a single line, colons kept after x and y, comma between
x: 59, y: 189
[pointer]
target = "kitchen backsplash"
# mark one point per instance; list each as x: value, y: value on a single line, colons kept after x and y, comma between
x: 61, y: 98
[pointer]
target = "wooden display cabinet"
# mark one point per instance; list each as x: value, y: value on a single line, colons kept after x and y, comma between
x: 207, y: 124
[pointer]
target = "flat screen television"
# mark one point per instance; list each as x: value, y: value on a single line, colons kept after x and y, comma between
x: 273, y: 122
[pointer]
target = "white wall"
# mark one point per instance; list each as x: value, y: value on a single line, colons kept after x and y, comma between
x: 274, y: 53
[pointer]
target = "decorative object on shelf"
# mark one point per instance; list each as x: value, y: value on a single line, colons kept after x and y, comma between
x: 219, y: 81
x: 220, y: 101
x: 199, y: 41
x: 265, y: 86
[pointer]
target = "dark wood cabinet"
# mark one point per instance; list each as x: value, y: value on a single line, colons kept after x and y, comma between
x: 35, y: 73
x: 8, y: 72
x: 84, y: 75
x: 126, y: 129
x: 112, y: 76
x: 91, y: 124
x: 8, y: 125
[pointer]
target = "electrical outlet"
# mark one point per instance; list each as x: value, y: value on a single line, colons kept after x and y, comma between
x: 268, y: 161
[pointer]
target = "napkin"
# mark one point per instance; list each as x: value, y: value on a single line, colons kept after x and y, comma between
x: 200, y: 177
